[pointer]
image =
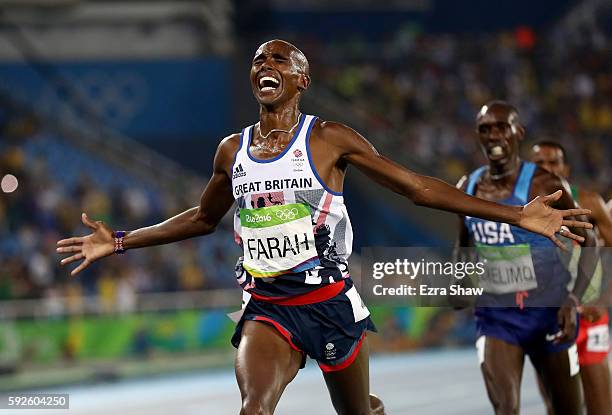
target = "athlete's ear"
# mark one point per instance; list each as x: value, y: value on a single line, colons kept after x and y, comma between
x: 304, y: 82
x: 567, y: 170
x: 519, y: 131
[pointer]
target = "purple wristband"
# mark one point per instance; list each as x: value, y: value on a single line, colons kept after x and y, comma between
x: 119, y: 249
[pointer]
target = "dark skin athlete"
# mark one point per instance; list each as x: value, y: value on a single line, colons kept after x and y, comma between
x: 500, y: 132
x: 551, y: 159
x: 595, y: 376
x: 265, y: 363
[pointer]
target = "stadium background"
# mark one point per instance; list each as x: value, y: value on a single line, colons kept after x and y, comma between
x: 115, y: 108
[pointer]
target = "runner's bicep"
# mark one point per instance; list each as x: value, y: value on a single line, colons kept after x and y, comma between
x: 216, y: 199
x: 358, y: 151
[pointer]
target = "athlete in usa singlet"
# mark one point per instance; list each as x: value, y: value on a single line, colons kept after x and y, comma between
x: 527, y: 280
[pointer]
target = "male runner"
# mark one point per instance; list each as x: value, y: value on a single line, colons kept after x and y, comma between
x: 594, y: 333
x: 295, y: 254
x: 528, y: 276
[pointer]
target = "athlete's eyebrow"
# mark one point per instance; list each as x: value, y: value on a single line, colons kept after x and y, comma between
x: 259, y: 55
x: 277, y: 55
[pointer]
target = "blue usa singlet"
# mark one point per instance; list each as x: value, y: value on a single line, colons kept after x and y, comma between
x: 527, y: 263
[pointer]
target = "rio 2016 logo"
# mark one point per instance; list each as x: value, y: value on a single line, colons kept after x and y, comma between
x: 256, y: 218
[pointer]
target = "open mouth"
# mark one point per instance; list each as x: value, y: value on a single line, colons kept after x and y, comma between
x: 268, y: 84
x: 496, y: 152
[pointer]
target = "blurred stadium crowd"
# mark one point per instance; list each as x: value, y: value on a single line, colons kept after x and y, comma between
x: 56, y: 182
x: 420, y: 92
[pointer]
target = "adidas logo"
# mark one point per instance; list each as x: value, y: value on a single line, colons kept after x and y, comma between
x: 238, y: 172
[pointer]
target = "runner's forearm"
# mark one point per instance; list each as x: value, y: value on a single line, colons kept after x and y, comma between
x: 437, y: 194
x: 185, y: 225
x: 589, y: 257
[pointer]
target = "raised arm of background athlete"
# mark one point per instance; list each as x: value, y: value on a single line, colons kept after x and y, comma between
x: 216, y: 200
x: 544, y: 182
x: 335, y: 145
x: 600, y: 215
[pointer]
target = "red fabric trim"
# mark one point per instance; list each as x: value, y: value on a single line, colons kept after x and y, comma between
x: 287, y: 336
x: 324, y: 209
x: 347, y: 362
x: 316, y: 296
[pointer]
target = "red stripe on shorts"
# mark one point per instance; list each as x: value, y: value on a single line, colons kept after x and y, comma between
x: 316, y: 296
x: 347, y: 362
x: 283, y: 331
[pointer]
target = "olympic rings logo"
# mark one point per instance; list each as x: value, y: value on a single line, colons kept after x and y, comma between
x: 287, y: 214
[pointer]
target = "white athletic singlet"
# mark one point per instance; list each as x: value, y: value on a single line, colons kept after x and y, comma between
x: 295, y: 232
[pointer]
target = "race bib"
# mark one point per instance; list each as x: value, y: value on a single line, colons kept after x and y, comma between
x: 278, y: 240
x: 508, y: 268
x: 598, y: 339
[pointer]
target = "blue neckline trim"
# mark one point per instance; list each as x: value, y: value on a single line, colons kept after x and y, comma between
x: 312, y: 166
x: 522, y: 183
x: 295, y: 136
x: 473, y: 179
x: 522, y: 187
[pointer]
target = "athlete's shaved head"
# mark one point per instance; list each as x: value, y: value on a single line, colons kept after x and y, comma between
x: 499, y: 107
x: 297, y: 56
x: 279, y: 73
x: 499, y: 131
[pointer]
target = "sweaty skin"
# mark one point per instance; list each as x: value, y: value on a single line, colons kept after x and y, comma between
x: 333, y: 146
x: 500, y: 132
x: 595, y: 376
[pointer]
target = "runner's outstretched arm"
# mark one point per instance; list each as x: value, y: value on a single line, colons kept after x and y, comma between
x: 537, y: 216
x: 215, y: 201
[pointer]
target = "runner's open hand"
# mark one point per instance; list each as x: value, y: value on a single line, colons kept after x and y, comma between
x: 96, y: 245
x: 539, y: 217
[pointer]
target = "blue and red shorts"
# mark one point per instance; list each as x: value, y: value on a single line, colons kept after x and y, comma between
x: 531, y: 328
x: 327, y: 324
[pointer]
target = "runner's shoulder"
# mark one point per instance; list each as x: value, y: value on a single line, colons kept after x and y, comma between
x: 545, y: 182
x: 227, y: 148
x: 229, y: 145
x: 337, y: 134
x: 590, y: 198
x: 593, y: 201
